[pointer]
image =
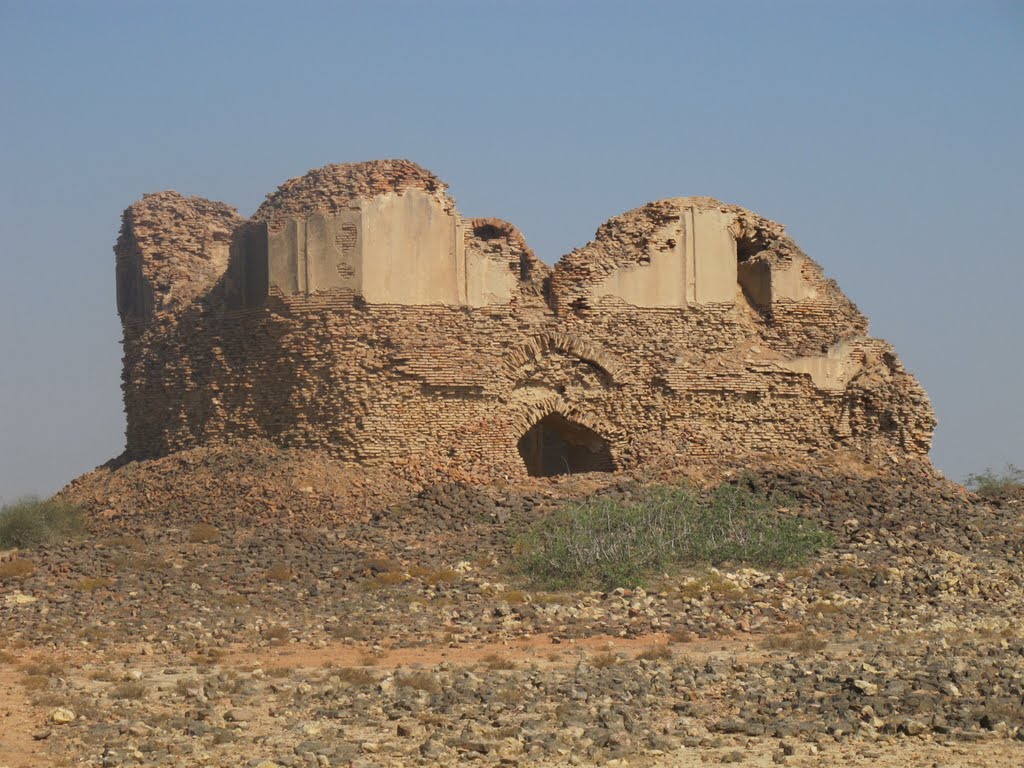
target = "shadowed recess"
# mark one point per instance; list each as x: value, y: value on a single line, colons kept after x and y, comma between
x: 557, y: 446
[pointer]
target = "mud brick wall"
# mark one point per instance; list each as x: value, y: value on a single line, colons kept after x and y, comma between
x: 753, y: 351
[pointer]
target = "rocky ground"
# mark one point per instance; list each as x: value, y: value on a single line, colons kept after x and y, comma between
x: 188, y: 636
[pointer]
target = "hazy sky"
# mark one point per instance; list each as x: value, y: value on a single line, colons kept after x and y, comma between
x: 886, y: 135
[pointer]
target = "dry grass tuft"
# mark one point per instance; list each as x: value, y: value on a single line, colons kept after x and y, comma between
x: 202, y: 533
x: 276, y: 634
x: 604, y: 660
x: 356, y: 676
x: 386, y: 579
x: 18, y: 568
x: 681, y: 635
x: 801, y: 642
x: 656, y: 653
x: 93, y: 583
x: 421, y: 681
x: 497, y: 661
x: 280, y: 573
x: 131, y: 691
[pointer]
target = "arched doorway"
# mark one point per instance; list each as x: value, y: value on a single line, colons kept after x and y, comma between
x: 557, y: 446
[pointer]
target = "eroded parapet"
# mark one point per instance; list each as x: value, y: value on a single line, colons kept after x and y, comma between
x: 406, y: 247
x: 170, y: 251
x: 676, y: 253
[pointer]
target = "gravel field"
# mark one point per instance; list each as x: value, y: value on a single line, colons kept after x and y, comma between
x: 184, y: 637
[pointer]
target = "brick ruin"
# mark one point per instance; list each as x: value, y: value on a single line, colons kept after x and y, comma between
x: 358, y: 313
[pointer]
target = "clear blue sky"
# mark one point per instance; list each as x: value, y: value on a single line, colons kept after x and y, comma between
x: 886, y: 135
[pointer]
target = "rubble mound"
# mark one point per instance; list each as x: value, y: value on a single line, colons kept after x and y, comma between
x: 246, y: 483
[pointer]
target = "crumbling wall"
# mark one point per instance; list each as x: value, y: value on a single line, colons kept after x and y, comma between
x: 358, y: 313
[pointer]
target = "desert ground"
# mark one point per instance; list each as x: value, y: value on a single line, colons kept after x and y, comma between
x: 186, y: 628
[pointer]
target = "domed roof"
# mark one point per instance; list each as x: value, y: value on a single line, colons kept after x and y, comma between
x: 336, y: 187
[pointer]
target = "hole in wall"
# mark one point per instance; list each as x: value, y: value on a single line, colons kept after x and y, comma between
x: 488, y: 232
x: 557, y: 446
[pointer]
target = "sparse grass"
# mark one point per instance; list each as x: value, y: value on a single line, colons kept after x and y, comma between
x: 991, y: 483
x: 346, y: 631
x: 92, y: 583
x: 801, y: 642
x: 385, y: 580
x: 656, y: 653
x: 435, y: 576
x: 681, y: 636
x: 279, y: 573
x: 203, y: 533
x: 44, y: 668
x: 35, y: 682
x: 133, y: 543
x: 130, y: 691
x: 31, y: 521
x: 18, y: 568
x: 355, y: 676
x: 277, y: 634
x: 607, y: 543
x: 497, y: 661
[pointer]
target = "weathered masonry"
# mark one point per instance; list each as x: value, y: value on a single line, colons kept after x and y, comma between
x: 359, y: 313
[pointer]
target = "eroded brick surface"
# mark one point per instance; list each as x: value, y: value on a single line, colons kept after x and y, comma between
x: 732, y: 341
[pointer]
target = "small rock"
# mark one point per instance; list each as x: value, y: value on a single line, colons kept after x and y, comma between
x: 62, y: 716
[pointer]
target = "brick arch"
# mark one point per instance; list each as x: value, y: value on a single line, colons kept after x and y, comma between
x: 554, y: 438
x: 525, y: 415
x: 565, y: 343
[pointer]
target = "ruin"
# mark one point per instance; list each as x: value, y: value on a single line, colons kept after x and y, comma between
x: 358, y: 313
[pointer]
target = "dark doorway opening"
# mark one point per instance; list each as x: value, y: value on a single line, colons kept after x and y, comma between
x: 557, y: 446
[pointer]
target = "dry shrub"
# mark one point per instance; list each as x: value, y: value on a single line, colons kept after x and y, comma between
x: 681, y: 635
x: 656, y: 653
x: 355, y: 676
x: 604, y: 660
x: 497, y: 661
x: 800, y: 642
x: 345, y: 631
x: 421, y: 681
x: 131, y: 691
x: 35, y: 682
x: 30, y: 521
x: 18, y: 568
x: 202, y: 533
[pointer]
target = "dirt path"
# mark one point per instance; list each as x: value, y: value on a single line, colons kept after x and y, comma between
x: 539, y: 647
x: 18, y: 721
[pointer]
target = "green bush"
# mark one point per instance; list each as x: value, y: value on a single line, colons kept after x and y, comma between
x: 990, y: 483
x: 607, y: 543
x: 30, y: 521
